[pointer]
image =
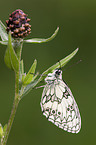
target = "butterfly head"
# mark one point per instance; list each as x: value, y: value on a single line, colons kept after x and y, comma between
x: 57, y: 74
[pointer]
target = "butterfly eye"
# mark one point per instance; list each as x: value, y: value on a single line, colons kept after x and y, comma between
x: 58, y: 72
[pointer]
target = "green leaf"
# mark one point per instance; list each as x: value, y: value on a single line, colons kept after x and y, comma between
x: 30, y: 75
x: 25, y: 89
x: 7, y: 58
x: 29, y: 87
x: 4, y: 129
x: 59, y: 64
x: 13, y: 56
x: 1, y: 131
x: 42, y: 40
x: 62, y: 62
x: 10, y: 57
x: 3, y: 32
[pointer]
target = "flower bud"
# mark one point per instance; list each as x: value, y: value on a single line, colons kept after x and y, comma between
x: 18, y: 24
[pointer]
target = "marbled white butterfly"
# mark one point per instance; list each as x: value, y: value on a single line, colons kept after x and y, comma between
x: 58, y: 103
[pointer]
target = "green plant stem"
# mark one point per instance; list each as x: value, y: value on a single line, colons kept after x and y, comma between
x: 14, y: 108
x: 16, y: 98
x: 18, y: 48
x: 10, y: 122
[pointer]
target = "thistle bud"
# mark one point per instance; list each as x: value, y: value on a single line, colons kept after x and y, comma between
x: 18, y: 24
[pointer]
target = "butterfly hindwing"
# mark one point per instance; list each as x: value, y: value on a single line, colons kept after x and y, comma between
x: 59, y: 106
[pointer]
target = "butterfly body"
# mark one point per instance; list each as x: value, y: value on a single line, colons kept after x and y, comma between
x: 58, y: 103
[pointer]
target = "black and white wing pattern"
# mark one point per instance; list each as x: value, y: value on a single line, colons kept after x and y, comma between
x: 59, y: 105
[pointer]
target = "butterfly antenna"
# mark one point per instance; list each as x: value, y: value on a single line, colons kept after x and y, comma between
x: 72, y: 65
x: 38, y: 74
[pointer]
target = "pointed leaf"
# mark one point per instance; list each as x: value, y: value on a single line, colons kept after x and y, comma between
x: 29, y: 87
x: 4, y: 128
x: 42, y: 40
x: 35, y: 76
x: 62, y: 63
x: 13, y: 56
x: 1, y: 131
x: 29, y: 77
x: 3, y: 32
x: 7, y: 59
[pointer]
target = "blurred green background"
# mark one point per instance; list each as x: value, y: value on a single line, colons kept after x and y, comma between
x: 77, y: 22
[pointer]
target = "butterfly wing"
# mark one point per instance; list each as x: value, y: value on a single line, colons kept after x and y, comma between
x: 59, y: 107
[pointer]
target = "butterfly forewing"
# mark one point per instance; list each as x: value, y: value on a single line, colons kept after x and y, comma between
x: 59, y: 106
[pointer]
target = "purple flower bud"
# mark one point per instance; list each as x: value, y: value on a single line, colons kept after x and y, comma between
x: 18, y: 24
